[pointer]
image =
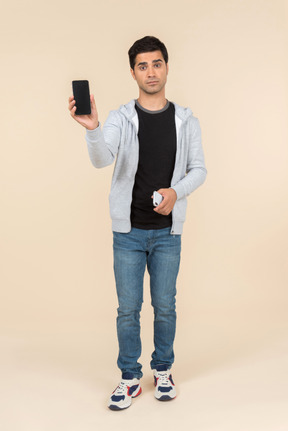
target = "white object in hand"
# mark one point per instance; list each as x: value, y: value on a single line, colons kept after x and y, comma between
x: 157, y: 199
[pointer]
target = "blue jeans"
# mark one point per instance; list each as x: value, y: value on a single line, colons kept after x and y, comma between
x: 160, y: 251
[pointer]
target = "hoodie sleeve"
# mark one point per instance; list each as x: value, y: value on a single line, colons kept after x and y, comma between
x: 103, y: 144
x: 195, y: 169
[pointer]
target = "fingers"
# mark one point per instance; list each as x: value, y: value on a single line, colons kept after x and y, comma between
x: 71, y: 102
x: 90, y: 121
x: 167, y: 204
x: 163, y: 208
x: 71, y: 105
x: 72, y: 111
x: 163, y: 211
x: 162, y: 204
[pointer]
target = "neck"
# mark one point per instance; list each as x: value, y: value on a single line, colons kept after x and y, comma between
x: 152, y: 102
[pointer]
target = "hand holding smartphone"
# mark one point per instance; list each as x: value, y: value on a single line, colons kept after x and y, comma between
x: 82, y: 105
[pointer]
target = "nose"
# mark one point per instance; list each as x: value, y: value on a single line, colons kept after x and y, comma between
x: 150, y: 71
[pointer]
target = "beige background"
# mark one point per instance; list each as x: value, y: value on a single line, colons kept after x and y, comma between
x: 228, y: 62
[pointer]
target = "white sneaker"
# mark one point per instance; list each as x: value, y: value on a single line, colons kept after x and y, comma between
x: 121, y: 398
x: 165, y: 388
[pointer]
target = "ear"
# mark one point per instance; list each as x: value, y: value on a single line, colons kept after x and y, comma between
x: 132, y: 73
x: 167, y: 67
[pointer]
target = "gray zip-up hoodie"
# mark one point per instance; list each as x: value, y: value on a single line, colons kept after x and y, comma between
x: 119, y: 140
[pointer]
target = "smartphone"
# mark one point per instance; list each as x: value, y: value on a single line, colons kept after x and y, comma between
x: 82, y: 97
x: 157, y: 199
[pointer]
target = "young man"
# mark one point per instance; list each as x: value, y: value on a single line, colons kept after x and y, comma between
x: 157, y: 147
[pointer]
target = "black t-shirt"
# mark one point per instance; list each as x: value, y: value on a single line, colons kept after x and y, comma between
x: 157, y: 150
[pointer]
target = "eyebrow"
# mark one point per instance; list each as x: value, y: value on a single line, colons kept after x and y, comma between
x: 145, y: 62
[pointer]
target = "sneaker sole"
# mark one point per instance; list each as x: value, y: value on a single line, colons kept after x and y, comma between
x: 165, y: 398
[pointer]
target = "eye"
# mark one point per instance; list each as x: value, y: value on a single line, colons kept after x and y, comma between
x: 158, y: 65
x: 142, y: 67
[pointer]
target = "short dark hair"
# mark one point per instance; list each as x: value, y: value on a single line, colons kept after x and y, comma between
x: 146, y: 44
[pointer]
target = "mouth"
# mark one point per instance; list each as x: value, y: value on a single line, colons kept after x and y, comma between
x: 152, y: 82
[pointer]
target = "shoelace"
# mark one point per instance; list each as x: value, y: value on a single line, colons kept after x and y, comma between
x: 163, y: 377
x: 121, y: 388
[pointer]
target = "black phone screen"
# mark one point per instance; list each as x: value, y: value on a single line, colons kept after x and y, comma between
x: 82, y: 97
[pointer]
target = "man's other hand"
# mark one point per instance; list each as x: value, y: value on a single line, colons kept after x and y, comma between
x: 169, y: 199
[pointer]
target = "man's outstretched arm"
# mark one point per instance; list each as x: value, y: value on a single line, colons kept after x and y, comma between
x: 102, y: 147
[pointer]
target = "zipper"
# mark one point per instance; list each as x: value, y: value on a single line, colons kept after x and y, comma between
x: 178, y: 125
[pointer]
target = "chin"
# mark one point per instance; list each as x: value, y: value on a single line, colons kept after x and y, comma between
x: 151, y: 90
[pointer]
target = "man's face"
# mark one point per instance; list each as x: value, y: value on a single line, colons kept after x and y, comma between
x: 150, y: 72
